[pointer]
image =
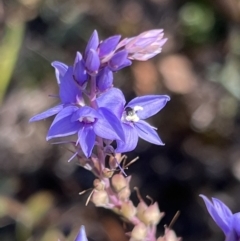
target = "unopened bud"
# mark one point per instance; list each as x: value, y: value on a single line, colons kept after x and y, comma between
x: 124, y: 194
x: 141, y: 208
x: 100, y: 198
x: 98, y: 185
x: 139, y: 232
x: 128, y: 210
x: 107, y: 173
x: 169, y: 236
x: 152, y: 215
x: 119, y: 182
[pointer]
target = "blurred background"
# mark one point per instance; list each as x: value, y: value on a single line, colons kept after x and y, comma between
x: 199, y: 68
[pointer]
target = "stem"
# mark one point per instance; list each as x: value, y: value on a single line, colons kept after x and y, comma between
x: 93, y: 103
x: 93, y: 88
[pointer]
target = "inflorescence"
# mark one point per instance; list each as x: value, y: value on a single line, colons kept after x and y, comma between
x: 102, y: 126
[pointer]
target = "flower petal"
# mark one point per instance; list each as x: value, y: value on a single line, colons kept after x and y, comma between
x: 79, y: 72
x: 113, y: 100
x: 47, y: 113
x: 69, y: 90
x: 118, y: 60
x: 114, y: 122
x: 67, y: 111
x: 232, y: 236
x: 108, y: 45
x: 217, y: 213
x: 236, y: 223
x: 60, y: 70
x: 104, y: 79
x: 86, y: 139
x: 131, y: 139
x: 92, y: 61
x: 151, y: 104
x: 147, y: 133
x: 93, y: 42
x: 85, y: 111
x: 63, y: 127
x: 81, y: 235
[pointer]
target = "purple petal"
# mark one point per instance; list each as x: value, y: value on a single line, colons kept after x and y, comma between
x: 67, y: 111
x: 118, y: 60
x: 85, y: 111
x: 104, y: 79
x: 113, y: 100
x: 131, y: 139
x: 114, y: 122
x: 218, y: 214
x: 63, y: 127
x: 79, y: 71
x: 147, y: 133
x: 60, y: 70
x: 108, y: 45
x: 86, y: 139
x: 151, y: 104
x: 92, y: 61
x: 69, y: 90
x: 81, y: 235
x: 47, y: 113
x: 232, y: 236
x: 236, y: 223
x: 92, y: 43
x: 223, y: 212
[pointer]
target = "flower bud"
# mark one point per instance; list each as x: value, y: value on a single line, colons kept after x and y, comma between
x: 124, y: 194
x: 152, y: 215
x: 169, y: 236
x: 98, y: 185
x: 139, y: 232
x: 119, y: 182
x: 141, y: 208
x: 128, y: 210
x: 100, y: 198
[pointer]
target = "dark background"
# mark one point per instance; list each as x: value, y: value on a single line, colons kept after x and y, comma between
x: 199, y: 68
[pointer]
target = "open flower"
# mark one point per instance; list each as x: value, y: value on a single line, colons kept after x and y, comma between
x: 87, y: 123
x: 223, y: 217
x: 69, y: 92
x: 133, y: 115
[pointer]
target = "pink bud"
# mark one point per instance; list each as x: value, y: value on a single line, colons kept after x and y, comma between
x: 128, y: 210
x: 139, y: 232
x: 100, y: 198
x: 119, y: 182
x: 146, y: 45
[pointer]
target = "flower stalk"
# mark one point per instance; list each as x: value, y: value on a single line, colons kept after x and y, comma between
x: 105, y: 120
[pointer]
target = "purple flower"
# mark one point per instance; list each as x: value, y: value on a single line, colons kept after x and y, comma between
x: 104, y: 79
x: 133, y: 115
x: 108, y: 46
x: 223, y: 217
x: 79, y: 70
x: 86, y: 122
x: 81, y: 235
x: 69, y: 92
x: 144, y: 46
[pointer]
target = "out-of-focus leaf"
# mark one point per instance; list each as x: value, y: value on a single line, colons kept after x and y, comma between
x: 9, y: 207
x: 38, y: 205
x: 52, y: 234
x: 9, y: 49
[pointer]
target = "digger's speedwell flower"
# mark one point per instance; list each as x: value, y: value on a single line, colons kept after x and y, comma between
x: 94, y: 114
x: 91, y: 108
x: 224, y: 218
